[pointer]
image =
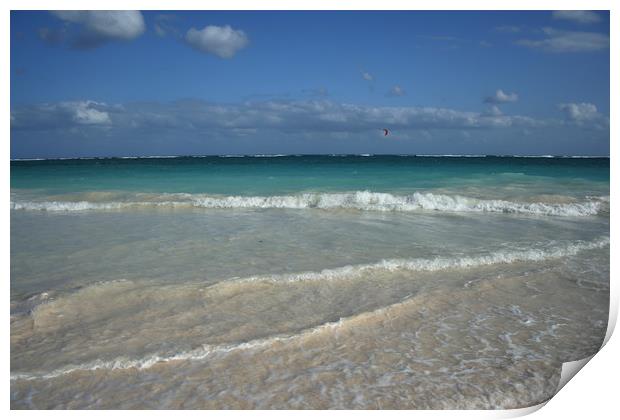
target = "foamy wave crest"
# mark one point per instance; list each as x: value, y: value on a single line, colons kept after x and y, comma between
x: 437, y: 264
x: 198, y: 353
x: 67, y: 206
x: 369, y: 201
x: 360, y: 200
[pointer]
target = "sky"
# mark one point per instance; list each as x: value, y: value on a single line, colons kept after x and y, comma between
x: 130, y: 83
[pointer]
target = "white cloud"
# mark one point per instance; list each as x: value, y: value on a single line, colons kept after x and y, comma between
x: 494, y: 111
x: 567, y: 41
x: 85, y: 112
x: 396, y: 91
x: 222, y: 41
x: 101, y: 25
x: 367, y: 76
x: 579, y: 112
x: 61, y: 115
x: 584, y: 114
x: 501, y: 97
x: 577, y: 16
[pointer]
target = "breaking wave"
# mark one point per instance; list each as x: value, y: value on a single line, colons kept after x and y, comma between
x: 360, y: 200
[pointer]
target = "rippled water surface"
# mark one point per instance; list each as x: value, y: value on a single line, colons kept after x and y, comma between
x: 304, y: 281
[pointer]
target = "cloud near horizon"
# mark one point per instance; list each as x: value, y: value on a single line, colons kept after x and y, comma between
x: 494, y: 110
x: 60, y: 115
x: 302, y: 116
x: 92, y: 128
x: 584, y: 114
x: 500, y: 97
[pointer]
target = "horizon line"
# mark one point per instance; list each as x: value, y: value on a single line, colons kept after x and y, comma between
x: 268, y: 155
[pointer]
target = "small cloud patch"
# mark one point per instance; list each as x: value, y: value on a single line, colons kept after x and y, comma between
x: 558, y: 41
x: 501, y: 97
x: 577, y: 16
x: 494, y: 111
x: 61, y: 115
x: 222, y: 41
x: 584, y: 114
x: 397, y: 90
x: 101, y: 26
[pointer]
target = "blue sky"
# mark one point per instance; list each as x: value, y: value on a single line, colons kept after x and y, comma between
x: 172, y: 83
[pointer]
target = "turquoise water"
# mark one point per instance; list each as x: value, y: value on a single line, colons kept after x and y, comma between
x: 304, y: 281
x: 291, y: 174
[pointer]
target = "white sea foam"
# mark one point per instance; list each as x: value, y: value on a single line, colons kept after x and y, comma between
x: 360, y: 200
x: 440, y: 263
x: 199, y: 353
x: 67, y: 205
x: 267, y: 155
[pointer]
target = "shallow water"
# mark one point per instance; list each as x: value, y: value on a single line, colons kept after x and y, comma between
x: 466, y: 288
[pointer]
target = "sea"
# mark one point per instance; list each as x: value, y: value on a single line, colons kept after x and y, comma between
x: 304, y: 282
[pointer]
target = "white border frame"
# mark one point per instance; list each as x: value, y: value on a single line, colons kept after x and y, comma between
x: 592, y: 393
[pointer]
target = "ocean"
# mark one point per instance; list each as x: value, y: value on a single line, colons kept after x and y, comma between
x: 304, y: 282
